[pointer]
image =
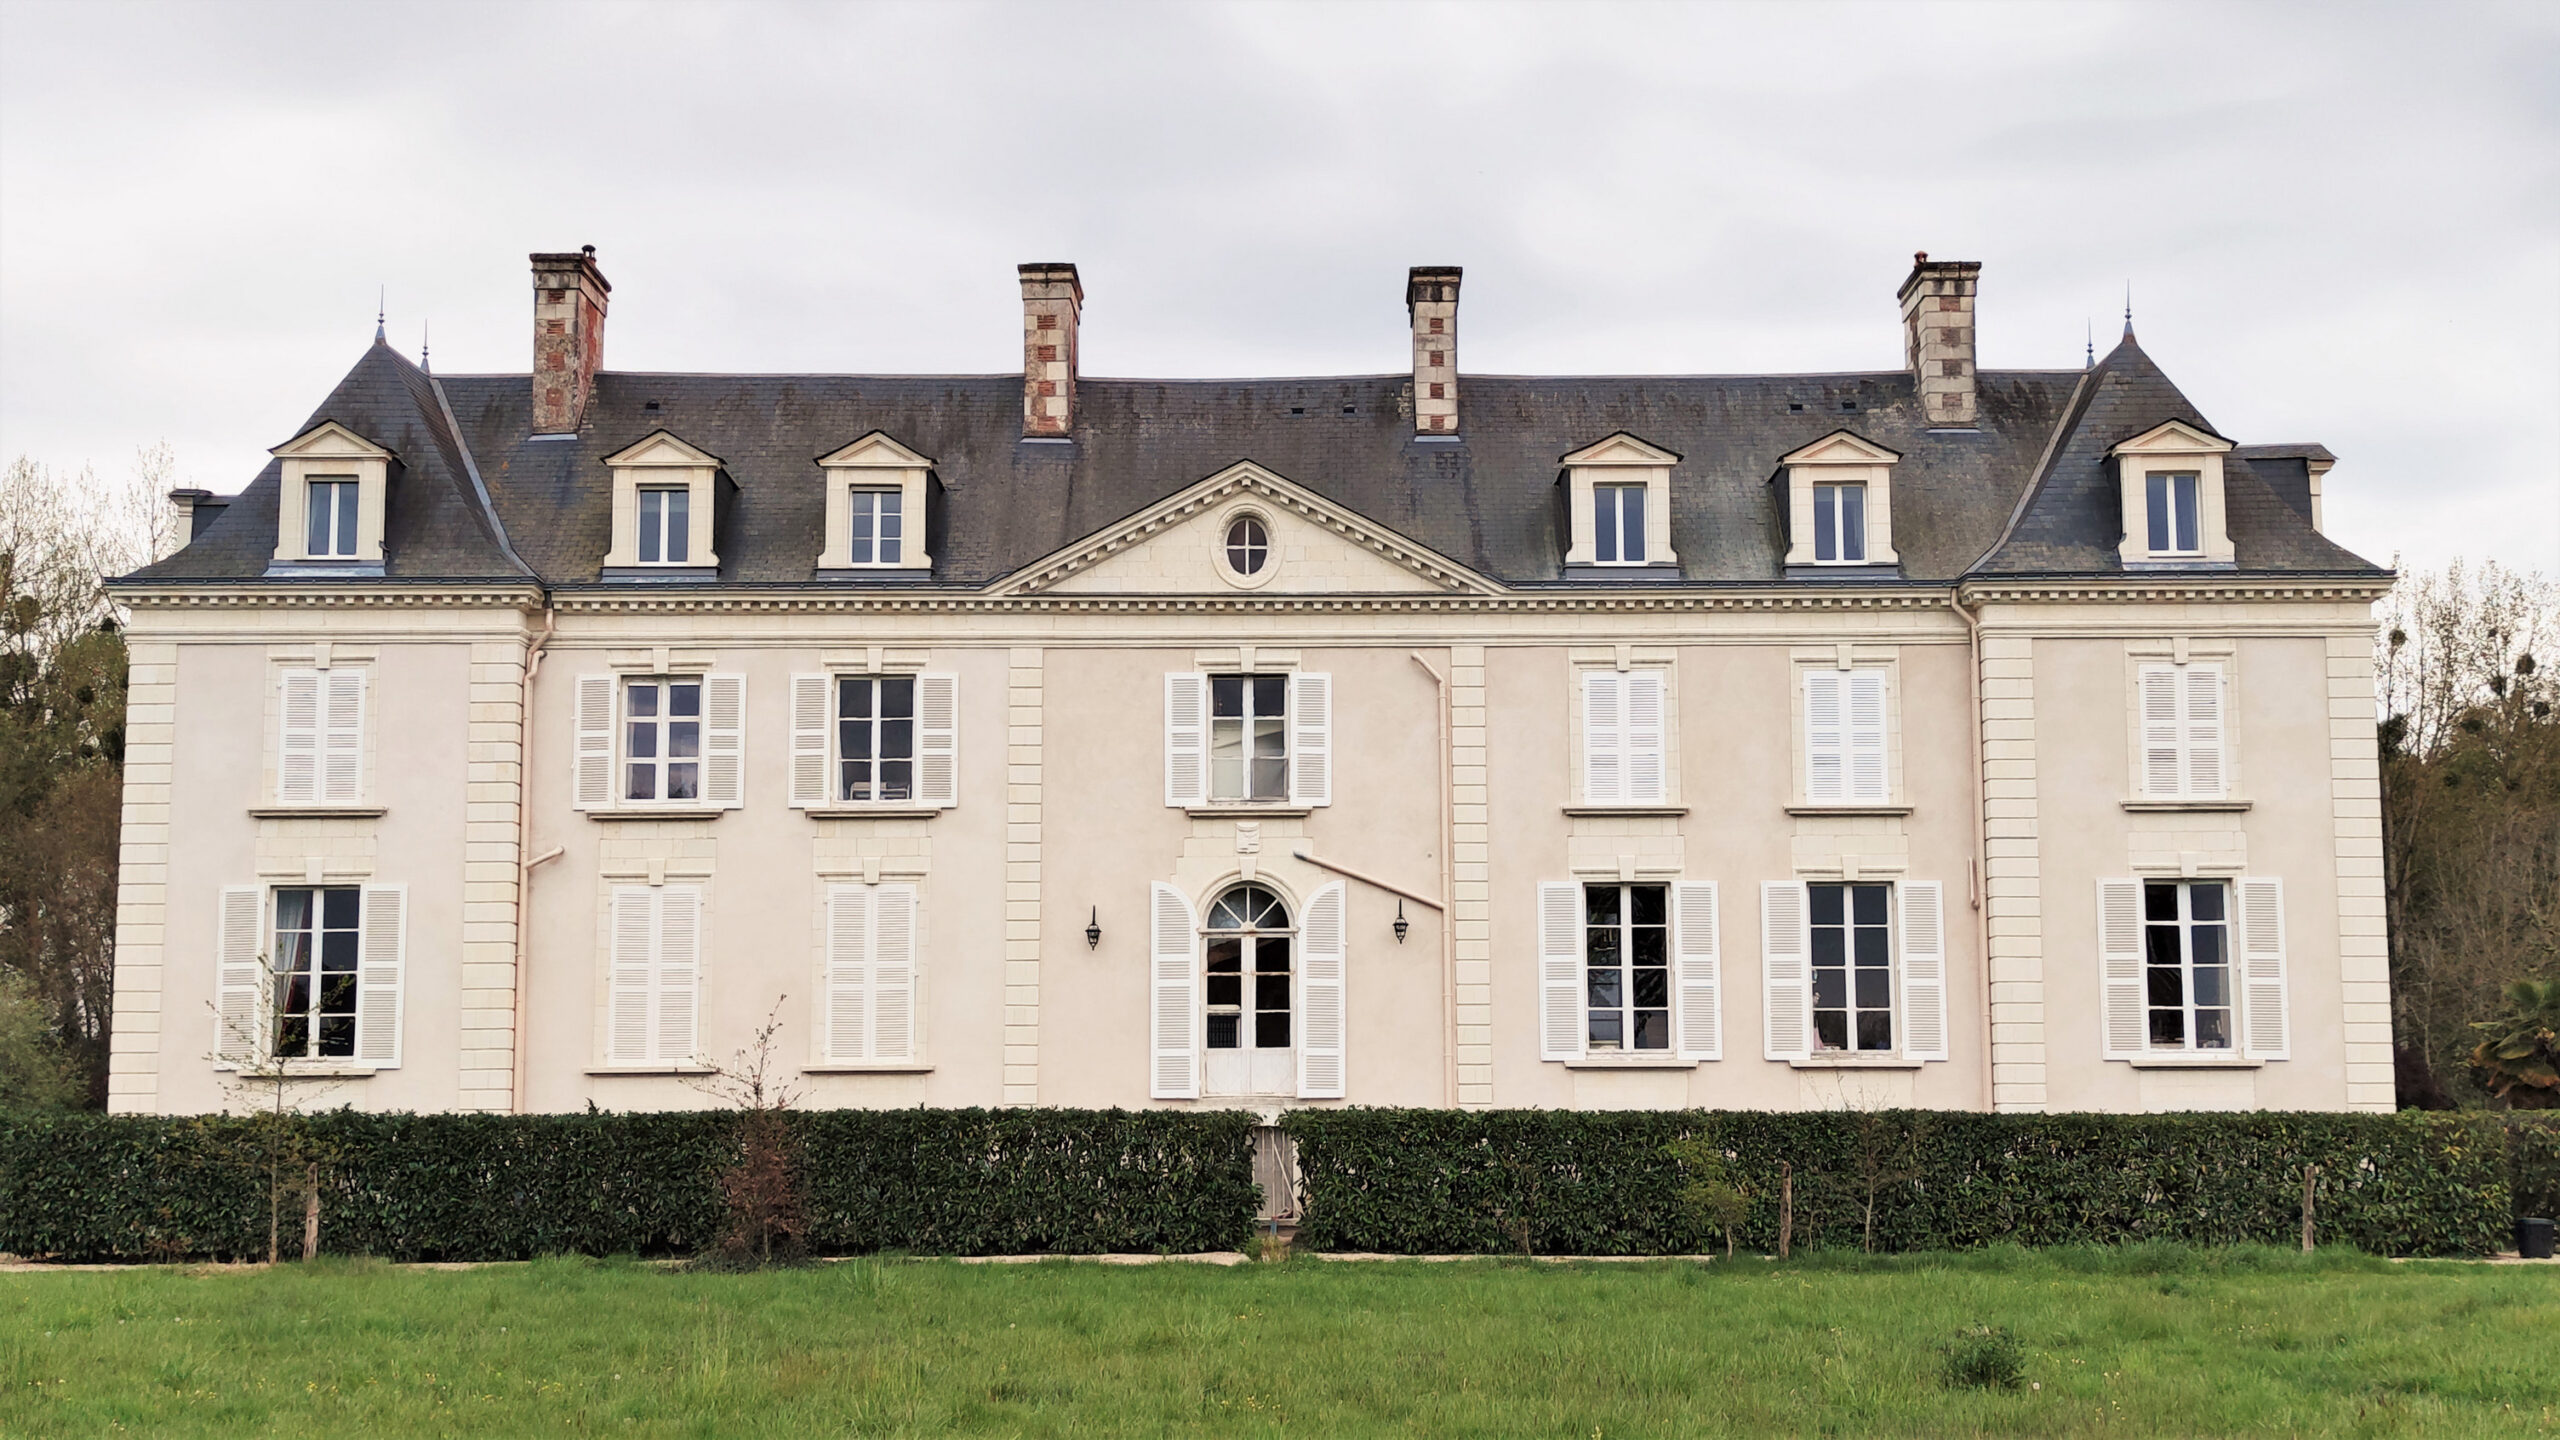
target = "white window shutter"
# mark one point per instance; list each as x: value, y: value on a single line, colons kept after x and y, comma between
x: 630, y: 974
x: 1604, y: 737
x: 1173, y: 996
x: 1826, y: 741
x: 1867, y: 778
x: 2120, y: 966
x: 809, y: 716
x: 2204, y: 730
x: 1924, y: 971
x: 848, y: 1014
x: 938, y: 739
x: 679, y: 972
x: 381, y: 948
x: 1701, y: 1008
x: 1321, y: 979
x: 1644, y: 737
x: 1311, y: 739
x: 592, y: 765
x: 298, y: 753
x: 1560, y: 1022
x: 1783, y: 963
x: 893, y: 974
x: 342, y: 737
x: 2262, y: 968
x: 724, y: 741
x: 2160, y: 731
x: 1186, y: 738
x: 240, y: 1006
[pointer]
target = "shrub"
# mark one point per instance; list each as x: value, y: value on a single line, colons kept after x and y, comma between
x: 1984, y: 1357
x: 2533, y: 1163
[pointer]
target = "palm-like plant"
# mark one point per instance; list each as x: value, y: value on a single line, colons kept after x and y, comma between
x: 2520, y: 1061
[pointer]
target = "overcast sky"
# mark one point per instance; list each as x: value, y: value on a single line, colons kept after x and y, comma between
x: 2339, y: 224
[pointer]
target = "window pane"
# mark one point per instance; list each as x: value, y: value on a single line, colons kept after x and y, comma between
x: 1653, y: 1029
x: 1631, y: 523
x: 1870, y: 906
x: 338, y: 993
x: 1651, y: 904
x: 1830, y: 1030
x: 1830, y: 945
x: 683, y: 782
x: 897, y: 739
x: 317, y: 531
x: 345, y: 498
x: 1853, y: 522
x: 1829, y: 902
x: 293, y: 910
x: 2204, y: 944
x: 853, y: 698
x: 653, y: 522
x: 293, y: 1036
x: 1648, y: 944
x: 1271, y: 992
x: 644, y: 783
x: 337, y: 1036
x: 898, y: 697
x: 1875, y: 1030
x: 2184, y: 488
x: 679, y: 536
x: 1830, y: 988
x: 2205, y: 901
x: 863, y: 526
x: 2157, y: 495
x: 1226, y: 695
x: 2164, y: 986
x: 1875, y: 989
x: 1653, y: 987
x: 1604, y: 525
x: 1271, y: 1030
x: 1600, y: 904
x: 644, y: 739
x: 1226, y: 758
x: 1874, y: 949
x: 684, y: 699
x: 1826, y: 532
x: 337, y: 949
x: 2168, y: 1029
x: 2213, y: 1029
x: 1607, y: 1029
x: 2213, y: 985
x: 1601, y: 946
x: 338, y: 908
x: 644, y: 699
x: 295, y: 991
x: 1223, y: 1030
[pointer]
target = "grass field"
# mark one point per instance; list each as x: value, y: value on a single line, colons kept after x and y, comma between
x: 2142, y: 1341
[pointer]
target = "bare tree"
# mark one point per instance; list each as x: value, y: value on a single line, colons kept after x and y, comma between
x: 763, y: 1188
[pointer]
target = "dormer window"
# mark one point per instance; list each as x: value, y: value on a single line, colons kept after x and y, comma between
x: 1837, y: 502
x: 2170, y: 479
x: 330, y: 509
x: 663, y: 507
x: 330, y: 502
x: 1618, y: 508
x: 876, y: 508
x: 666, y: 531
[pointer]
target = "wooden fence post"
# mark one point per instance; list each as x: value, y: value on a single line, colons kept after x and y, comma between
x: 1786, y: 1207
x: 311, y: 1213
x: 2310, y: 1179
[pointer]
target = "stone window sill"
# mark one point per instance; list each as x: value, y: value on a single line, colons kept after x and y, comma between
x: 857, y: 1068
x: 1610, y: 1062
x: 1588, y: 811
x: 2187, y: 807
x: 1854, y: 1062
x: 307, y: 1070
x: 2195, y: 1062
x: 872, y: 812
x: 1857, y: 809
x: 316, y: 812
x: 650, y: 1070
x: 636, y: 813
x: 1248, y: 811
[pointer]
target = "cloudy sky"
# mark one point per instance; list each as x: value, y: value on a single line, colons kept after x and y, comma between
x: 2339, y: 224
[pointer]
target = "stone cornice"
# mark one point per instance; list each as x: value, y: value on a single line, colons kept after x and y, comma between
x: 249, y: 594
x: 2183, y: 589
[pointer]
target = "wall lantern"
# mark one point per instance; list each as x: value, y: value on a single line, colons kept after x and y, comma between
x: 1093, y: 931
x: 1402, y: 925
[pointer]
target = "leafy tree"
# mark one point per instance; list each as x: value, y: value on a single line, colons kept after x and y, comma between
x: 1712, y: 1194
x: 35, y: 1072
x: 2519, y: 1062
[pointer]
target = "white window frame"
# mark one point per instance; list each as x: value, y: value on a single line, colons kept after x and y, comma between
x: 665, y: 533
x: 876, y: 509
x: 1619, y: 459
x: 282, y: 971
x: 1245, y: 724
x: 1611, y: 502
x: 662, y: 763
x: 2160, y: 508
x: 1849, y: 966
x: 342, y: 521
x: 600, y: 763
x: 1840, y: 458
x: 875, y: 463
x: 330, y: 451
x: 250, y: 969
x: 1829, y: 504
x: 1627, y: 1011
x: 2185, y: 925
x: 816, y: 769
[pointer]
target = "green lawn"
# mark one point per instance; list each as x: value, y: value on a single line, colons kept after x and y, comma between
x: 2144, y: 1341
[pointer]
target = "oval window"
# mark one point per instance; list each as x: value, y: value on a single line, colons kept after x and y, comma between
x: 1248, y: 545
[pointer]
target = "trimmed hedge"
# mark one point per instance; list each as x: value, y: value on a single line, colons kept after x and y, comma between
x: 2533, y: 1163
x: 509, y: 1187
x: 1583, y: 1183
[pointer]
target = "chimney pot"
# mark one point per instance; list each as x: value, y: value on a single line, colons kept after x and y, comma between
x: 569, y: 296
x: 1431, y: 304
x: 1052, y: 305
x: 1938, y: 337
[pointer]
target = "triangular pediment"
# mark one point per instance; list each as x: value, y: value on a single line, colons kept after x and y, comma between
x: 1622, y: 449
x: 2176, y: 437
x: 1842, y: 447
x: 330, y: 440
x: 1314, y: 547
x: 876, y: 449
x: 662, y: 447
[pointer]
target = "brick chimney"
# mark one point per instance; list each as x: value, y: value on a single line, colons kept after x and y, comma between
x: 1937, y: 337
x: 1052, y: 300
x: 1431, y: 301
x: 568, y: 338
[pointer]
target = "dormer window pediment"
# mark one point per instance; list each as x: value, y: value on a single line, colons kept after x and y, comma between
x: 2169, y: 481
x: 876, y: 491
x: 1840, y: 502
x: 664, y: 501
x: 1618, y: 507
x: 335, y: 489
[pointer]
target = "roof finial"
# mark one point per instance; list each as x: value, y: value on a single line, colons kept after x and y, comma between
x: 2090, y: 342
x: 2128, y: 309
x: 423, y: 363
x: 381, y: 309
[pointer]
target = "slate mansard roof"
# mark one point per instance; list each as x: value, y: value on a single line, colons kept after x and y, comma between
x: 2027, y: 492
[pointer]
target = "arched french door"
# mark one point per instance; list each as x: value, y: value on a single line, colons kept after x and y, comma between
x: 1248, y: 994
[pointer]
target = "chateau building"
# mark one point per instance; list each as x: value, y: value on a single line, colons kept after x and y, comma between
x: 1933, y: 737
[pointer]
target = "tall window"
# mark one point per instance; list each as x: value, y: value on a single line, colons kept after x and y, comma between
x: 1840, y: 524
x: 1248, y: 737
x: 2173, y: 515
x: 2186, y: 964
x: 314, y: 970
x: 1617, y: 518
x: 1626, y: 959
x: 876, y: 737
x: 665, y: 530
x: 1248, y: 989
x: 662, y: 740
x: 879, y: 527
x: 329, y: 516
x: 1852, y: 935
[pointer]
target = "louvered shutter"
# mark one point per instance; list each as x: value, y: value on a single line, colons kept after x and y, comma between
x: 592, y: 764
x: 1321, y: 985
x: 1701, y: 987
x: 2203, y: 719
x: 724, y: 741
x: 240, y: 1004
x: 1867, y: 779
x: 938, y: 739
x: 1783, y: 963
x: 631, y: 974
x: 1826, y: 743
x: 382, y: 953
x: 809, y: 715
x: 2262, y: 968
x: 2120, y: 966
x: 1924, y: 971
x: 1173, y: 997
x: 342, y: 736
x: 1311, y: 739
x: 893, y: 974
x: 848, y: 1017
x: 2160, y: 731
x: 1186, y: 738
x: 298, y: 754
x: 1560, y: 1024
x: 1644, y: 737
x: 679, y: 972
x: 1604, y: 737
